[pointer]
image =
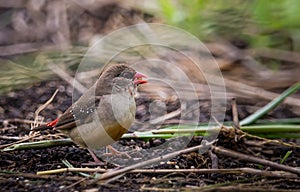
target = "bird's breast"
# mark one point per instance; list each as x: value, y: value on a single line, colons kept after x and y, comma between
x: 111, y: 119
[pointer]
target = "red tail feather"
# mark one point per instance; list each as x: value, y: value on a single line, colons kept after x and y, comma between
x: 52, y: 123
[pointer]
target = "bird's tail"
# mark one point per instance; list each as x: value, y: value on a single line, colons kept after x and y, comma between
x: 49, y: 125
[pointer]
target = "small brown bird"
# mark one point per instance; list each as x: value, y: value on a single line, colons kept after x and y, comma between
x: 104, y: 112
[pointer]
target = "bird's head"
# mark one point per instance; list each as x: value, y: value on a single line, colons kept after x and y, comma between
x: 116, y: 73
x: 131, y: 74
x: 124, y: 71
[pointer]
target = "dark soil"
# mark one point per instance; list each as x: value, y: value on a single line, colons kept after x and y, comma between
x: 18, y: 168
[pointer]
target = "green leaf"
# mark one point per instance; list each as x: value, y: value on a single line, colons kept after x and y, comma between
x: 288, y: 153
x: 270, y: 106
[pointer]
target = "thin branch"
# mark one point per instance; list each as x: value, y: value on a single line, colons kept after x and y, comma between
x: 280, y: 142
x: 235, y: 114
x: 18, y: 120
x: 3, y: 137
x: 19, y: 142
x: 152, y: 161
x: 42, y: 107
x: 234, y: 154
x: 258, y: 92
x: 246, y: 170
x: 166, y: 116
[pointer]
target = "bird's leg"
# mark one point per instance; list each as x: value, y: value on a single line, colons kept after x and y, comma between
x: 114, y: 151
x: 94, y: 156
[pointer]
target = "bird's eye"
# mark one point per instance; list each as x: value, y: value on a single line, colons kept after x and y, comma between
x: 126, y: 75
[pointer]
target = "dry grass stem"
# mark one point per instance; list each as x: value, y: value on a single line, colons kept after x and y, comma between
x: 42, y: 107
x: 234, y: 154
x: 68, y: 78
x: 245, y: 170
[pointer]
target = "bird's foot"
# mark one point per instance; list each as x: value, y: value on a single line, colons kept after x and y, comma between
x: 97, y: 161
x: 114, y: 151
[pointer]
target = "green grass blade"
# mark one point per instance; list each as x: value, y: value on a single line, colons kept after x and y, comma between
x: 285, y: 157
x: 69, y: 165
x: 39, y: 144
x: 270, y: 106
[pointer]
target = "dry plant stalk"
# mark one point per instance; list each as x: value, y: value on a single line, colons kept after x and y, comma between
x: 42, y: 107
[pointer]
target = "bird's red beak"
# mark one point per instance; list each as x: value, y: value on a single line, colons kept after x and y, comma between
x: 138, y: 78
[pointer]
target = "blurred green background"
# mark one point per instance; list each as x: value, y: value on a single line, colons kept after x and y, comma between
x: 253, y: 23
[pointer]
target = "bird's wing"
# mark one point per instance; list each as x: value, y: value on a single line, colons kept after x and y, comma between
x: 80, y: 112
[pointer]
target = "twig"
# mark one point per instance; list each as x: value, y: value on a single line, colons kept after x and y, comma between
x: 70, y: 166
x: 272, y: 140
x: 258, y: 92
x: 152, y: 161
x: 234, y: 154
x: 42, y: 107
x: 279, y: 174
x: 235, y: 115
x: 11, y: 138
x: 19, y: 121
x: 74, y: 169
x: 225, y: 171
x: 237, y: 187
x: 20, y: 141
x: 166, y: 116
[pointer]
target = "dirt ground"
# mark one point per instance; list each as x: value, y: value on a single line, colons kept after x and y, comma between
x: 18, y: 168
